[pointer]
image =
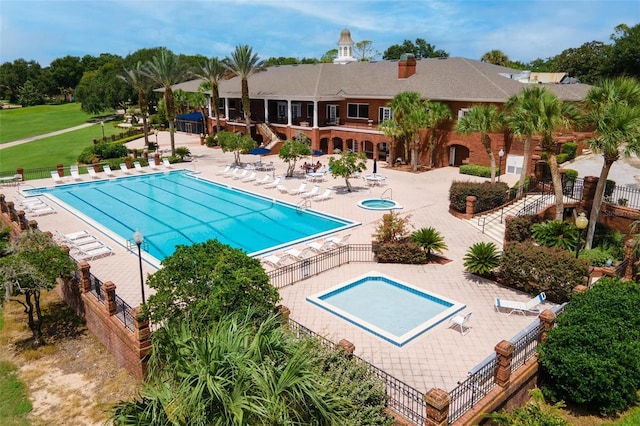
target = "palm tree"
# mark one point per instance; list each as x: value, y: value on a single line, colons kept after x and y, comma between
x: 138, y: 80
x: 166, y: 70
x: 391, y: 130
x: 430, y: 240
x: 496, y: 57
x: 244, y: 63
x: 483, y: 119
x: 213, y: 72
x: 411, y: 114
x: 437, y: 113
x: 614, y: 110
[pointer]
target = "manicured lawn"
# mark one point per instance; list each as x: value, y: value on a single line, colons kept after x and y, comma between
x: 31, y: 121
x: 50, y: 151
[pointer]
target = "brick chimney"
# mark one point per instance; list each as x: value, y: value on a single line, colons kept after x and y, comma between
x: 406, y: 65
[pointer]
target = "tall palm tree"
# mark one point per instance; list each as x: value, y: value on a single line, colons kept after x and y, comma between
x: 165, y: 69
x: 411, y: 114
x: 437, y: 113
x: 614, y: 111
x: 213, y: 72
x: 496, y: 57
x: 522, y: 121
x: 138, y: 80
x: 391, y: 130
x: 483, y: 119
x: 244, y: 63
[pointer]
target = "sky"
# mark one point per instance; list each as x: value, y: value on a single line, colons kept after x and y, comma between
x: 43, y: 30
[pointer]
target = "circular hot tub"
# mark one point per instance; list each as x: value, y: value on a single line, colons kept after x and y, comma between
x: 379, y: 204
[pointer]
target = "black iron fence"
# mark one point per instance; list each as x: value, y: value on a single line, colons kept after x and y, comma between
x: 123, y: 313
x: 402, y: 398
x: 309, y: 267
x: 624, y: 196
x: 472, y: 389
x: 96, y: 288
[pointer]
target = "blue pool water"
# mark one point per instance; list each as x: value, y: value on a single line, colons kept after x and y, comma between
x: 176, y: 208
x: 386, y: 307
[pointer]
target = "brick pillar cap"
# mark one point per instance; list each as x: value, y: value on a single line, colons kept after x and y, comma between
x: 547, y: 316
x: 283, y: 310
x: 437, y: 398
x: 580, y: 289
x: 109, y: 285
x: 83, y: 264
x: 505, y: 348
x: 347, y: 346
x: 591, y: 178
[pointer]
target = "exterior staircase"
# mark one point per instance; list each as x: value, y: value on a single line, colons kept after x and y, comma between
x: 269, y: 136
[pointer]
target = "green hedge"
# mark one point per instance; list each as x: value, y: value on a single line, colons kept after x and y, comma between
x: 533, y: 269
x: 569, y: 148
x: 488, y: 195
x: 518, y: 229
x: 406, y: 252
x: 475, y: 170
x: 103, y: 151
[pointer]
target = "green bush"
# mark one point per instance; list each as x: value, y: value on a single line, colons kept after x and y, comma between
x: 571, y: 175
x: 429, y: 239
x: 592, y: 357
x: 610, y: 240
x: 533, y: 269
x: 482, y: 259
x: 488, y: 195
x: 597, y: 256
x: 555, y: 233
x: 562, y: 158
x: 609, y: 187
x: 103, y: 151
x: 475, y: 170
x: 535, y: 413
x: 519, y: 228
x: 406, y: 252
x: 211, y: 141
x: 569, y: 148
x: 513, y: 191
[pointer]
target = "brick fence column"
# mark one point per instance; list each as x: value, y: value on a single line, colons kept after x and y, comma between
x: 471, y: 202
x: 504, y: 350
x: 437, y: 407
x: 3, y: 203
x: 284, y: 313
x: 143, y: 336
x: 588, y: 192
x: 348, y: 347
x: 60, y: 169
x: 109, y: 289
x: 22, y: 220
x: 547, y: 320
x: 33, y: 224
x: 13, y: 214
x: 156, y: 158
x: 85, y: 281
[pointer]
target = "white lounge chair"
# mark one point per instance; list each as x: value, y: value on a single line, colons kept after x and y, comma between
x: 166, y: 163
x: 462, y: 322
x: 320, y: 246
x: 124, y: 169
x: 93, y: 254
x: 108, y: 171
x: 302, y: 188
x: 274, y: 184
x: 312, y: 193
x: 56, y: 177
x: 41, y: 211
x: 240, y: 175
x: 280, y: 187
x: 225, y: 170
x: 339, y: 241
x: 324, y: 196
x: 511, y: 306
x: 71, y: 237
x: 251, y: 177
x: 75, y: 174
x: 298, y: 254
x: 153, y: 165
x: 92, y: 172
x: 265, y: 179
x: 138, y: 167
x: 273, y: 261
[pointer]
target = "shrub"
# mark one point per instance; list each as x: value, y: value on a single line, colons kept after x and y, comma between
x: 430, y: 240
x: 571, y: 175
x: 391, y: 228
x: 475, y: 170
x: 513, y: 191
x: 592, y: 357
x: 211, y: 141
x: 555, y: 233
x: 103, y: 151
x: 406, y: 252
x: 609, y: 240
x: 488, y: 195
x: 609, y: 187
x: 596, y: 256
x: 569, y: 148
x: 519, y: 228
x: 533, y: 269
x: 535, y: 413
x: 182, y: 152
x: 482, y: 259
x: 562, y: 158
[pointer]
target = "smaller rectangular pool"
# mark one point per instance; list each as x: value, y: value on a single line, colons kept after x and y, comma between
x: 390, y: 309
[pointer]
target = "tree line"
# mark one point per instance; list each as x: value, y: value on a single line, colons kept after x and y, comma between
x: 28, y: 83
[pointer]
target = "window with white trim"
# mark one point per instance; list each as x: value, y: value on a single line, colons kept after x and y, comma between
x: 462, y: 112
x: 358, y: 111
x: 384, y: 113
x: 309, y: 111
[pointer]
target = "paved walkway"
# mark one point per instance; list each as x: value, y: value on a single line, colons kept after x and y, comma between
x: 45, y: 135
x: 438, y: 358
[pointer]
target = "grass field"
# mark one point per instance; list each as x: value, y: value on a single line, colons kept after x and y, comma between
x: 22, y: 123
x: 49, y: 151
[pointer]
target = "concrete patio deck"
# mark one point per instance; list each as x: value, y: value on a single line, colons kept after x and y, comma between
x: 438, y: 358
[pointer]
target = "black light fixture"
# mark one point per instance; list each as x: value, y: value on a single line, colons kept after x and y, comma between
x: 500, y: 154
x: 138, y: 238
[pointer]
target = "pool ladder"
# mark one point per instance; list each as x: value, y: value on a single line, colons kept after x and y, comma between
x: 389, y: 190
x: 303, y: 205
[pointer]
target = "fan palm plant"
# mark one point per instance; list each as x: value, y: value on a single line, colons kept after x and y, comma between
x: 614, y: 110
x: 483, y: 119
x: 244, y: 63
x: 166, y: 70
x: 411, y: 114
x: 138, y: 80
x: 482, y: 259
x: 430, y: 240
x: 555, y: 233
x: 213, y: 72
x: 437, y: 113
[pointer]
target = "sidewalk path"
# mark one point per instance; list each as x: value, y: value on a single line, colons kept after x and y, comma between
x: 45, y: 135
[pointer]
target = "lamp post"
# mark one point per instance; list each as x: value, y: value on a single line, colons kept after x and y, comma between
x: 138, y: 238
x: 500, y: 154
x: 156, y: 133
x: 581, y: 224
x: 102, y: 124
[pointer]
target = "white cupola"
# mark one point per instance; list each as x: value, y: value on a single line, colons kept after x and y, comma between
x: 345, y: 48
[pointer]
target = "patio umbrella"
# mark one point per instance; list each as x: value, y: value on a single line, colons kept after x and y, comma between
x: 375, y: 166
x: 317, y: 153
x: 260, y: 151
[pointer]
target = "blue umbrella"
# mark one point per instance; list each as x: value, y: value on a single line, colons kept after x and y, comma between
x: 260, y: 151
x: 317, y: 153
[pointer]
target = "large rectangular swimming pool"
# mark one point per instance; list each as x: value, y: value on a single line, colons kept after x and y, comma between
x: 180, y: 208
